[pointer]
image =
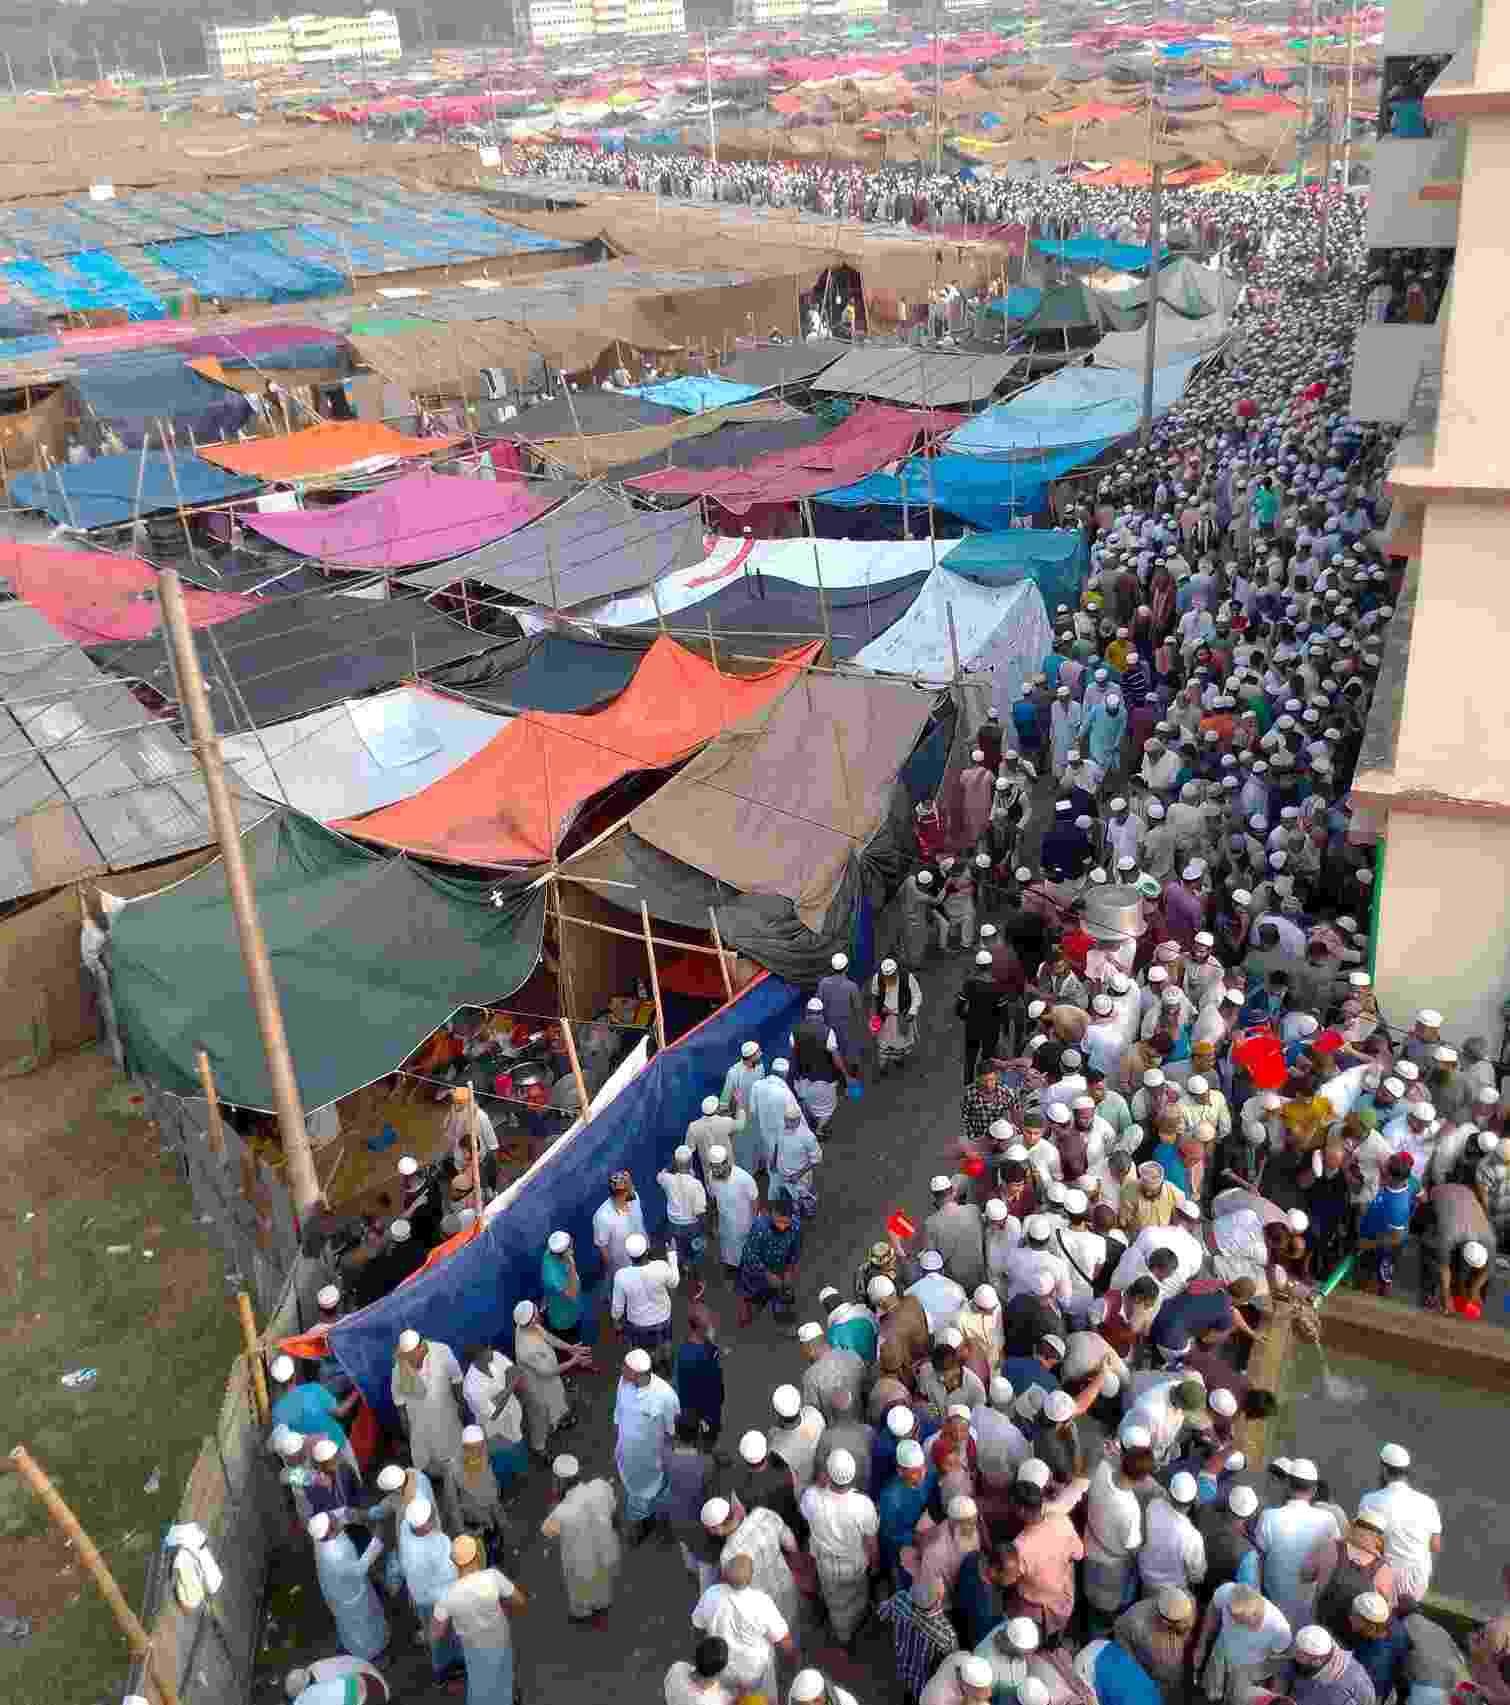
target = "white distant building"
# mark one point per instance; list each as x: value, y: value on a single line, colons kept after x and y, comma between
x: 307, y: 38
x: 767, y: 12
x: 551, y: 23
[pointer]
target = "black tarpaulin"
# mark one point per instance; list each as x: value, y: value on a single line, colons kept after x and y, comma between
x: 589, y: 412
x: 783, y: 364
x: 735, y: 445
x: 551, y: 673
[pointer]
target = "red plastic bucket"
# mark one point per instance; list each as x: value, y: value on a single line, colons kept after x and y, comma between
x: 1261, y: 1055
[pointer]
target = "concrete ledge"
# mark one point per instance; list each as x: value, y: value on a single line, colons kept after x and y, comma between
x: 1471, y: 1353
x: 1266, y: 1368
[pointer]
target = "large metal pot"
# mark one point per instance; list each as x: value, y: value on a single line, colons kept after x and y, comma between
x: 1113, y: 912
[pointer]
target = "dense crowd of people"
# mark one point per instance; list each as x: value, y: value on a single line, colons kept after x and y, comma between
x: 1014, y: 1438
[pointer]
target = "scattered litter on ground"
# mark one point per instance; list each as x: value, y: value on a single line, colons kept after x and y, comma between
x: 117, y: 1248
x: 80, y: 1379
x: 154, y: 1481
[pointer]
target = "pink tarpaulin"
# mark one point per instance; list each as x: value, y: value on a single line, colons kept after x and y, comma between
x: 872, y: 436
x: 421, y: 517
x: 92, y: 598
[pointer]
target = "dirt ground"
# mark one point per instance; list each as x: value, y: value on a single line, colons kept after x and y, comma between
x: 90, y: 1194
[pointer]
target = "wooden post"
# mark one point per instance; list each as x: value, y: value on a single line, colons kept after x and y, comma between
x: 655, y: 598
x: 183, y: 519
x: 953, y: 639
x: 712, y: 643
x: 723, y: 963
x: 476, y: 1143
x: 206, y: 1077
x: 849, y: 798
x: 828, y: 626
x: 655, y: 976
x: 253, y: 1357
x: 576, y: 1064
x: 67, y: 1524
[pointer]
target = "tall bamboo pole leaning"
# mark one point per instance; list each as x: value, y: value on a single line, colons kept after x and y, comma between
x: 259, y: 971
x: 253, y: 1357
x: 88, y: 1552
x: 723, y: 960
x: 655, y: 976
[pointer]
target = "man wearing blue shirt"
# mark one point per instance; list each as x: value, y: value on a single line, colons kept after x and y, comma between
x: 1386, y: 1220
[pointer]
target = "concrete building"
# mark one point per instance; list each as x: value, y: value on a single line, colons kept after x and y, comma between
x: 307, y: 38
x: 1432, y: 787
x: 554, y: 23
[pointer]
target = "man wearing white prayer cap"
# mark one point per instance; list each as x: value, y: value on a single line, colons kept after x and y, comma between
x: 736, y: 1197
x: 810, y: 1685
x: 1324, y: 1673
x: 1412, y: 1524
x: 582, y: 1522
x: 345, y: 1584
x: 954, y: 1228
x: 747, y: 1070
x: 341, y: 1680
x: 843, y: 1538
x: 424, y: 1554
x: 709, y: 1130
x: 1174, y: 1553
x: 1287, y: 1534
x: 644, y: 1418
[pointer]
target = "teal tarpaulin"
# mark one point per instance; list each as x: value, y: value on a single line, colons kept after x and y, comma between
x: 694, y: 393
x: 1098, y: 251
x: 981, y: 493
x: 1019, y: 301
x: 1056, y: 559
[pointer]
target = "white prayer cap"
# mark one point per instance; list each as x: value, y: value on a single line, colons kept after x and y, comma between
x: 418, y: 1513
x: 786, y: 1400
x: 1204, y: 939
x: 558, y: 1242
x: 1422, y: 1110
x: 1153, y: 1078
x: 961, y: 1508
x: 1174, y: 1603
x: 1314, y: 1641
x: 400, y: 1230
x: 318, y: 1526
x: 983, y: 958
x: 390, y: 1478
x: 1304, y: 1470
x: 681, y: 1154
x: 1076, y: 1202
x: 1102, y: 1006
x: 1062, y: 806
x: 1110, y: 1385
x: 472, y: 1435
x: 715, y: 1512
x: 807, y: 1684
x: 1119, y: 804
x: 1001, y: 1130
x: 1059, y: 1113
x: 880, y: 1288
x: 986, y: 1299
x: 291, y: 1443
x: 1022, y: 1635
x: 1036, y: 1009
x: 635, y: 1245
x: 717, y: 1155
x: 1193, y: 871
x: 1038, y: 1227
x: 1001, y: 1391
x: 323, y: 1450
x: 1298, y: 1221
x: 840, y: 961
x: 328, y: 1297
x: 841, y: 1467
x: 1394, y: 1085
x: 1370, y: 1607
x: 564, y: 1467
x: 1054, y: 1342
x: 925, y: 879
x: 996, y: 1210
x: 1135, y: 1438
x: 748, y: 1050
x: 1182, y: 1487
x: 939, y: 1183
x: 1242, y: 1501
x: 976, y: 1672
x: 294, y: 1684
x: 815, y: 1005
x: 889, y: 967
x: 1475, y: 1254
x: 931, y: 1261
x: 900, y: 1420
x: 957, y: 1412
x: 524, y: 1312
x: 1022, y: 874
x: 637, y: 1361
x: 909, y: 1454
x: 1222, y: 1402
x: 282, y: 1369
x: 710, y: 1105
x: 1196, y: 1084
x: 1432, y: 1020
x: 407, y: 1166
x: 1059, y: 1406
x: 809, y: 1331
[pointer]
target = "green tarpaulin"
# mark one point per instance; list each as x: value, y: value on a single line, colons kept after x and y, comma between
x: 370, y: 954
x: 1069, y: 306
x: 378, y: 325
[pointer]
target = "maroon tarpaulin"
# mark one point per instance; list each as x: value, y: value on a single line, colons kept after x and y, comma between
x: 872, y: 436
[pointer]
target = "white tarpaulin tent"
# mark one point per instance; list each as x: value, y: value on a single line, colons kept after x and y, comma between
x: 1176, y: 338
x: 361, y: 754
x: 1001, y: 631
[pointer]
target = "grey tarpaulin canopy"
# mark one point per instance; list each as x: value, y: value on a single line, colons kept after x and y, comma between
x: 293, y: 655
x: 780, y: 802
x: 589, y: 412
x: 89, y: 781
x: 548, y: 672
x: 591, y: 546
x: 782, y: 364
x: 923, y: 378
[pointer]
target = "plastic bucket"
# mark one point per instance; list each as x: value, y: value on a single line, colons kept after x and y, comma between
x: 900, y: 1226
x: 1263, y: 1058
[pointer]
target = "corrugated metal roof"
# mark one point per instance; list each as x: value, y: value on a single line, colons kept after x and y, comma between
x: 926, y: 378
x: 89, y: 782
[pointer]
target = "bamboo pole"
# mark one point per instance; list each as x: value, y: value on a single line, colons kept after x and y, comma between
x: 655, y: 976
x: 849, y: 798
x: 723, y: 963
x: 712, y: 644
x: 253, y: 1357
x: 206, y: 1077
x: 576, y: 1065
x: 89, y: 1555
x: 953, y: 639
x: 476, y: 1142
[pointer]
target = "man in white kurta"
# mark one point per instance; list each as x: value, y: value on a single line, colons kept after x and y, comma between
x: 644, y: 1421
x: 583, y: 1523
x: 424, y: 1554
x: 426, y: 1390
x: 749, y: 1623
x: 1286, y: 1535
x: 843, y: 1527
x: 361, y: 1626
x: 736, y: 1197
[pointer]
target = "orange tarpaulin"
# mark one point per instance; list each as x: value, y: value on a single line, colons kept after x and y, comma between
x: 511, y: 803
x: 333, y: 447
x: 1092, y: 112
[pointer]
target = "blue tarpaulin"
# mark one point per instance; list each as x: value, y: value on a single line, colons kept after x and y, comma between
x: 90, y: 279
x: 1076, y: 405
x: 983, y: 493
x: 1020, y: 301
x: 132, y: 391
x: 248, y: 266
x: 31, y: 343
x: 102, y: 493
x: 469, y: 1298
x: 694, y: 393
x: 1056, y: 559
x: 1098, y: 251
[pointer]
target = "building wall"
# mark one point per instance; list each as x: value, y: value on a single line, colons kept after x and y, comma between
x: 1433, y: 951
x: 1428, y: 26
x: 240, y: 50
x: 1397, y: 216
